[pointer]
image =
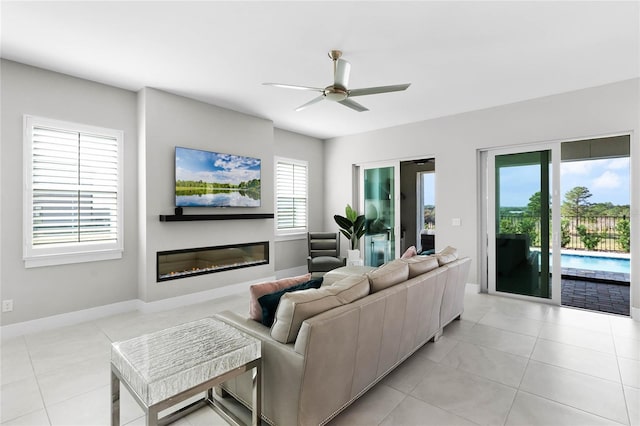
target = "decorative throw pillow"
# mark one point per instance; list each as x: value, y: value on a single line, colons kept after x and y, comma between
x: 258, y: 290
x: 447, y: 255
x: 295, y: 307
x: 409, y: 253
x: 419, y: 265
x: 269, y: 302
x: 388, y: 274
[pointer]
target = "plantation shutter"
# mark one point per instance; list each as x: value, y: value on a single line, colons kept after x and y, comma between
x: 291, y: 196
x: 74, y: 187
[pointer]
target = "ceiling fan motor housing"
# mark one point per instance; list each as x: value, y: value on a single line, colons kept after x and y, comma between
x: 336, y: 94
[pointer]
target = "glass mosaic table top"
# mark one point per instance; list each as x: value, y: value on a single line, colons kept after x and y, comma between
x: 162, y: 364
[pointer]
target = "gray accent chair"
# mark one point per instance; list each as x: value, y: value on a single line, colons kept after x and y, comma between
x: 324, y: 252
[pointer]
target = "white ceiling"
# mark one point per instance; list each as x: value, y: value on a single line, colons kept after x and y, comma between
x: 458, y: 56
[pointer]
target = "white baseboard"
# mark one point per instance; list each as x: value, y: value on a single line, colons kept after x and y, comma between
x: 71, y: 318
x: 472, y: 288
x: 201, y: 296
x: 84, y: 315
x: 66, y: 319
x: 292, y: 272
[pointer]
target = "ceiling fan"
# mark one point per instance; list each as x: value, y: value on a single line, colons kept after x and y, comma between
x: 339, y: 91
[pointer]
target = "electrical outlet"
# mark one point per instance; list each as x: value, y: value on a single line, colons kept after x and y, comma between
x: 7, y: 305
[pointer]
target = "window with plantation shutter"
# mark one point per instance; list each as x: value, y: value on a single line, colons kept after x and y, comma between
x: 72, y: 206
x: 291, y: 196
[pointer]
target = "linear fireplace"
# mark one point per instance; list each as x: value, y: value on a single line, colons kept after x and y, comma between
x: 184, y: 263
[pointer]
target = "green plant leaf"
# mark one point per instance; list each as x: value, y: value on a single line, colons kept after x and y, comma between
x: 350, y: 213
x: 343, y: 222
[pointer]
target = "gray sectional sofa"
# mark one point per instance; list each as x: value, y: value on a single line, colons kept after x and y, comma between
x: 328, y: 346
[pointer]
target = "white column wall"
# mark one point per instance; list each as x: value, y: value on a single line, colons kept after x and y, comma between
x: 169, y: 121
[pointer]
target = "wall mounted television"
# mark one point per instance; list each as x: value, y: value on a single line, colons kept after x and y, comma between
x: 213, y: 179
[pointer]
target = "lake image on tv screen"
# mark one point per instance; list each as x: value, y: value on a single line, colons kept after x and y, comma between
x: 211, y: 179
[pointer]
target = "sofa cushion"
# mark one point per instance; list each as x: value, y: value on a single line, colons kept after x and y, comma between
x: 350, y: 289
x: 258, y: 290
x: 296, y: 307
x: 447, y: 255
x: 409, y: 253
x: 389, y: 274
x: 419, y: 265
x: 269, y: 302
x: 339, y: 273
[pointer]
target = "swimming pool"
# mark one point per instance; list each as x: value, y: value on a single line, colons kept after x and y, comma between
x: 595, y: 263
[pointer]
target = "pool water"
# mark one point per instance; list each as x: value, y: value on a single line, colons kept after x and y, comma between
x: 595, y: 263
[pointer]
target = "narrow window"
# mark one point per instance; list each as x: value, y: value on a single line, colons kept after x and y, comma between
x: 291, y: 196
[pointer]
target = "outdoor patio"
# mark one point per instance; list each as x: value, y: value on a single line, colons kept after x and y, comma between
x: 596, y: 290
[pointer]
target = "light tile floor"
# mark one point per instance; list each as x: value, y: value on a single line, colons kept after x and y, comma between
x: 507, y: 362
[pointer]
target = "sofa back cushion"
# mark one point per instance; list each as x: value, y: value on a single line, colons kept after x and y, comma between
x: 389, y: 274
x: 296, y: 307
x: 419, y: 265
x: 447, y: 255
x: 258, y: 290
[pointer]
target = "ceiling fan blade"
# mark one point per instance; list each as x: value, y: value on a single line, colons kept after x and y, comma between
x: 341, y: 74
x: 311, y: 102
x: 353, y: 105
x: 379, y: 89
x: 291, y: 86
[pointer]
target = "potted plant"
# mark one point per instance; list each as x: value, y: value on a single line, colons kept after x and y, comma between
x: 352, y: 226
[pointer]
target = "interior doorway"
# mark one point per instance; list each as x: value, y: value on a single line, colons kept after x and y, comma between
x: 417, y: 205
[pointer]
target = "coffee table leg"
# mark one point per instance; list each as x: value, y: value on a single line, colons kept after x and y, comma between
x: 115, y: 400
x: 257, y: 394
x: 152, y: 416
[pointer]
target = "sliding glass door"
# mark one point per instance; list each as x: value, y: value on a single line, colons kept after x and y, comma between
x: 521, y: 240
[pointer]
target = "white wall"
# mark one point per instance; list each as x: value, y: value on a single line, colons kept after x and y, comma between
x: 292, y: 253
x: 46, y: 291
x: 168, y: 121
x: 456, y: 140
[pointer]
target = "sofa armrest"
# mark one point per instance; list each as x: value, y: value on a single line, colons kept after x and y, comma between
x: 249, y: 326
x: 282, y: 369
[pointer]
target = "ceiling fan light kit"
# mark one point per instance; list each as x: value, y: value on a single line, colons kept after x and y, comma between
x: 338, y: 91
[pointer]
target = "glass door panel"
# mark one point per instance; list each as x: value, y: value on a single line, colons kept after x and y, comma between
x: 379, y: 189
x: 523, y: 223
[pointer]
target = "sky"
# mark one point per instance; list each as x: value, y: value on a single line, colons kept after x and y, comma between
x: 193, y: 164
x: 429, y: 187
x: 607, y: 180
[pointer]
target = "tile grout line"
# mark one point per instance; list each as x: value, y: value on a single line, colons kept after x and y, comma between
x: 522, y: 377
x: 570, y: 406
x: 624, y: 394
x: 558, y: 402
x: 44, y: 406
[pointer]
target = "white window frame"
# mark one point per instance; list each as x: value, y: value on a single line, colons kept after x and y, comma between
x: 67, y: 252
x: 294, y: 233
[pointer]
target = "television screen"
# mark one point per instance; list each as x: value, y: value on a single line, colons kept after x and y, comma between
x: 212, y: 179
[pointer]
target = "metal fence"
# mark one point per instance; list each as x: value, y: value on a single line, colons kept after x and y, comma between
x: 600, y: 233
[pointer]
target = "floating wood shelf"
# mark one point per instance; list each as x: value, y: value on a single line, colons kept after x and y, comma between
x: 192, y: 217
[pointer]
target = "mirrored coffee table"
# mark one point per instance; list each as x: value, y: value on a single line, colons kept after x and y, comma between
x: 167, y: 367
